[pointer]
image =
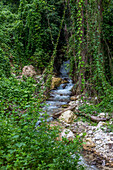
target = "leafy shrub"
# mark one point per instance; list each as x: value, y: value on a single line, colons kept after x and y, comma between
x: 4, y: 65
x: 22, y: 146
x: 110, y: 126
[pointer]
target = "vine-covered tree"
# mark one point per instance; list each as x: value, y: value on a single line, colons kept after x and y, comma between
x: 90, y: 59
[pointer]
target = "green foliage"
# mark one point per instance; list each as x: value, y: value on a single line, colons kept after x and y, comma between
x: 90, y: 109
x: 22, y: 146
x: 107, y: 29
x: 29, y: 33
x: 108, y: 24
x: 110, y: 126
x: 4, y: 64
x: 107, y: 101
x: 35, y: 30
x: 6, y: 24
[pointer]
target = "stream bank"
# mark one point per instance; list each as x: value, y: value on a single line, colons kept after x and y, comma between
x: 98, y: 144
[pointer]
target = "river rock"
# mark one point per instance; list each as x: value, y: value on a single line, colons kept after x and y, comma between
x: 64, y: 81
x: 73, y: 98
x: 103, y: 115
x: 88, y: 143
x: 67, y: 116
x: 97, y: 139
x: 71, y: 103
x: 66, y: 133
x: 29, y: 71
x: 100, y: 124
x: 56, y: 81
x: 79, y: 127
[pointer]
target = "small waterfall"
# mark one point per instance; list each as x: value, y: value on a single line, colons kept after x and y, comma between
x: 60, y: 96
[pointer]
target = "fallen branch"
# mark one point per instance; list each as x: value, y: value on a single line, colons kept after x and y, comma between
x: 94, y: 118
x: 98, y: 119
x: 91, y: 117
x: 57, y: 114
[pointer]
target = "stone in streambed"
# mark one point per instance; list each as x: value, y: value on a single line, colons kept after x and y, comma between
x: 56, y: 81
x: 67, y: 116
x: 65, y: 133
x: 64, y: 81
x: 71, y: 103
x: 73, y: 98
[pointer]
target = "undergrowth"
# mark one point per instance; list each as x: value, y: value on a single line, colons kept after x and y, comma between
x: 105, y: 106
x: 22, y: 145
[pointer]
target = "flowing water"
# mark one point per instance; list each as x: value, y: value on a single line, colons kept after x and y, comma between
x: 59, y: 98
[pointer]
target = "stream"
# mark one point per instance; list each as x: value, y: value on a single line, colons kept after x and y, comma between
x: 60, y: 98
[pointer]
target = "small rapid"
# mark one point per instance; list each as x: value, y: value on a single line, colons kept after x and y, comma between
x: 60, y: 96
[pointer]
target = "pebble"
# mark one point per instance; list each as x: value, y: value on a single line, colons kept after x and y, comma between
x: 102, y: 115
x: 90, y: 132
x: 72, y: 103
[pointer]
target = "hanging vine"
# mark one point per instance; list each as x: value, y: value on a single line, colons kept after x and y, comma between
x: 89, y: 59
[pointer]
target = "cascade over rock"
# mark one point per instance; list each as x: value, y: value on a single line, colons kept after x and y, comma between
x: 56, y: 81
x: 60, y: 91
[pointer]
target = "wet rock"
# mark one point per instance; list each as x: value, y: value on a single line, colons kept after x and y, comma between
x: 73, y: 98
x: 63, y: 86
x: 65, y: 106
x: 29, y: 71
x: 64, y: 81
x: 56, y: 81
x: 67, y: 116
